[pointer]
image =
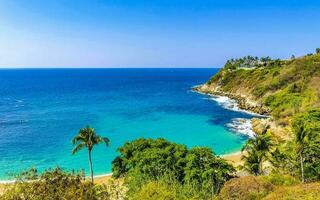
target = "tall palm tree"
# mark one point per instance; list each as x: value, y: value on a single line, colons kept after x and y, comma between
x: 257, y: 150
x: 87, y: 138
x: 251, y: 162
x: 301, y: 138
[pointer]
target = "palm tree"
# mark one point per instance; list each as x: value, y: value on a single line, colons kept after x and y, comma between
x: 301, y: 134
x: 257, y: 150
x: 251, y: 162
x: 88, y: 138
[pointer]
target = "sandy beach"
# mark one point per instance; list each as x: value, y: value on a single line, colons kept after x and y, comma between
x: 234, y: 158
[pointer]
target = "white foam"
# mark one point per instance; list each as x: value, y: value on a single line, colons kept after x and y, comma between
x: 226, y: 102
x: 242, y: 126
x: 231, y: 104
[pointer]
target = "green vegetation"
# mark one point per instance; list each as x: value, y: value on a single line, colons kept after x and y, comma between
x: 57, y: 184
x: 306, y: 127
x: 309, y: 191
x: 87, y: 138
x: 257, y: 150
x: 195, y: 172
x: 285, y: 87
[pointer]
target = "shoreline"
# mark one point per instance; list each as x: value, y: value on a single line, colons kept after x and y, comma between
x: 242, y: 102
x: 234, y: 158
x: 239, y: 109
x: 95, y: 177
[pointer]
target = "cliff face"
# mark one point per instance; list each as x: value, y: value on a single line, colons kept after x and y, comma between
x: 244, y: 99
x: 280, y: 89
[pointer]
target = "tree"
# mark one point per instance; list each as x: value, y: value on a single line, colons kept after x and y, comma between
x: 257, y: 150
x: 87, y: 138
x: 152, y: 160
x: 205, y: 171
x: 317, y: 50
x: 301, y: 141
x: 306, y: 127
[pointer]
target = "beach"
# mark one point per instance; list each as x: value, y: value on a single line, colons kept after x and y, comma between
x: 233, y: 158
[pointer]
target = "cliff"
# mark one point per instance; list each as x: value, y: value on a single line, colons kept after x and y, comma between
x: 279, y: 88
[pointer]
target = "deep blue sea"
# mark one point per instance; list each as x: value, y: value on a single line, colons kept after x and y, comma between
x: 42, y: 109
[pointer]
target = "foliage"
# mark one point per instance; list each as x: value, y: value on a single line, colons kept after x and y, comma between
x: 155, y: 190
x: 257, y: 150
x: 283, y: 159
x: 310, y: 191
x: 281, y: 179
x: 87, y: 138
x: 54, y: 184
x: 153, y: 158
x: 306, y: 127
x: 146, y: 160
x: 206, y: 172
x: 244, y: 188
x: 285, y: 87
x: 247, y: 61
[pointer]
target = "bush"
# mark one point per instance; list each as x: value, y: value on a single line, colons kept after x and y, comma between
x: 54, y: 184
x: 281, y: 180
x: 309, y: 191
x: 155, y: 190
x: 147, y: 160
x: 245, y: 188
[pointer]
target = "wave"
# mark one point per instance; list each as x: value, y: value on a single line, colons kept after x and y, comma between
x: 242, y: 126
x: 231, y: 104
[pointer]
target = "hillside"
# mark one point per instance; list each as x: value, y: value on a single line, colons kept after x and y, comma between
x: 280, y: 88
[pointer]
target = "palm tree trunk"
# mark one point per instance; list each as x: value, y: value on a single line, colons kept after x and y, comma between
x: 301, y: 166
x: 90, y: 165
x: 261, y: 167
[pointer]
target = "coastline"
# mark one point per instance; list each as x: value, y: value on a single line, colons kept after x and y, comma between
x: 230, y: 97
x: 233, y: 158
x: 245, y: 104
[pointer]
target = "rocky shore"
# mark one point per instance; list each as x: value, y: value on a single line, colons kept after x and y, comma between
x: 244, y: 102
x: 248, y: 104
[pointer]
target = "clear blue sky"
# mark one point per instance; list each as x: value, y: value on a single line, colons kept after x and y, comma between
x: 153, y: 33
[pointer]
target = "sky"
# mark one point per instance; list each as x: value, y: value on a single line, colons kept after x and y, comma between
x: 153, y: 33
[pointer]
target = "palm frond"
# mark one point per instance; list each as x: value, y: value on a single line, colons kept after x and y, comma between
x: 78, y: 138
x: 106, y: 141
x: 78, y: 148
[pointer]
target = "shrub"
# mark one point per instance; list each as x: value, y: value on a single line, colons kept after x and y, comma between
x: 54, y: 184
x: 147, y: 160
x: 309, y: 191
x: 244, y: 188
x: 155, y: 190
x: 281, y: 180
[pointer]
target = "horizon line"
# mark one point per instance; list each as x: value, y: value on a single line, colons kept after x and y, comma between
x: 6, y: 68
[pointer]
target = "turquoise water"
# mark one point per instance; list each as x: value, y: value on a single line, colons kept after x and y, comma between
x: 41, y: 110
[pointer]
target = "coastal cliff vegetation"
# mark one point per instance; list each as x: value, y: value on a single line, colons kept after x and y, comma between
x: 280, y: 88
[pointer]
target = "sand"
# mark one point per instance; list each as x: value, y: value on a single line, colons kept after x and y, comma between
x: 234, y: 159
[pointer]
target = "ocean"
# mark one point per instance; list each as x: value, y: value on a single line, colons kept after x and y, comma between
x: 42, y: 109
